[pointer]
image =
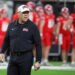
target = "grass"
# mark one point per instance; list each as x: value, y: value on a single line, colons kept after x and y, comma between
x: 53, y: 72
x: 47, y: 72
x: 58, y: 63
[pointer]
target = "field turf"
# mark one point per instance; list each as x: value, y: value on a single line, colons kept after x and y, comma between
x: 47, y: 72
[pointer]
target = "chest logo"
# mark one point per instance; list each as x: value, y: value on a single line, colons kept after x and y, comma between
x: 25, y: 29
x: 13, y: 29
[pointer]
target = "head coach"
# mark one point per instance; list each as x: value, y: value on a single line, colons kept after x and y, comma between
x: 20, y: 37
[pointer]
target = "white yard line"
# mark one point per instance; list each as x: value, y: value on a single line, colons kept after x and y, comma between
x: 49, y: 67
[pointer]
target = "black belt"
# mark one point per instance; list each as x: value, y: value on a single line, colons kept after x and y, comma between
x: 18, y: 53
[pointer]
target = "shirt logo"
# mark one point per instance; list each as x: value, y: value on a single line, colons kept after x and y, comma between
x: 13, y: 29
x: 25, y: 29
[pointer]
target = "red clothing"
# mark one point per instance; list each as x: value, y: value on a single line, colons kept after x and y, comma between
x: 48, y: 30
x: 73, y: 36
x: 66, y: 33
x: 42, y: 20
x: 53, y: 16
x: 48, y: 39
x: 73, y: 41
x: 63, y: 30
x: 33, y: 16
x: 4, y: 25
x: 73, y: 15
x: 66, y: 41
x: 50, y: 24
x: 38, y: 21
x: 14, y: 17
x: 41, y: 23
x: 3, y: 28
x: 60, y: 19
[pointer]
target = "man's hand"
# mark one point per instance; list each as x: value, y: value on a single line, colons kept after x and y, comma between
x: 2, y: 57
x: 36, y: 66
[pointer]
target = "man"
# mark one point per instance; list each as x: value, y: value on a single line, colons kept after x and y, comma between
x: 64, y: 28
x: 15, y: 15
x: 41, y: 21
x: 73, y: 41
x: 21, y: 36
x: 4, y: 22
x: 48, y: 32
x: 32, y: 14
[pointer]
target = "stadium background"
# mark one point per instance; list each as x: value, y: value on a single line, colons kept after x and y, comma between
x: 55, y: 54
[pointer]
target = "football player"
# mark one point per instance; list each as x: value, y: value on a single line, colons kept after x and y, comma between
x: 64, y: 28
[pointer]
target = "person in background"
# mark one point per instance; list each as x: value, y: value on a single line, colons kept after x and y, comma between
x: 48, y: 32
x: 4, y: 22
x: 73, y: 41
x: 41, y: 22
x: 15, y: 15
x: 32, y: 17
x: 64, y: 30
x: 50, y: 13
x: 32, y: 14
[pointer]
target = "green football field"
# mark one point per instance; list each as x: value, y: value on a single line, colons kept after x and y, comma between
x: 47, y: 72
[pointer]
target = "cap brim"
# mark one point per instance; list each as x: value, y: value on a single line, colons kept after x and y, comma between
x: 26, y: 9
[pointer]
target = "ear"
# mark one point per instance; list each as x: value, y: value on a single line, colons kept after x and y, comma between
x: 18, y: 13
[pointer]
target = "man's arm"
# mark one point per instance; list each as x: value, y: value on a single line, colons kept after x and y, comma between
x: 57, y: 29
x: 37, y: 41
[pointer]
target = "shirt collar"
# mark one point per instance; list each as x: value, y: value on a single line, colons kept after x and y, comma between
x: 17, y: 23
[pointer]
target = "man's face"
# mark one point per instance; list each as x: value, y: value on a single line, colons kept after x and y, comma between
x: 65, y: 15
x: 49, y: 12
x: 23, y: 16
x: 3, y: 15
x: 41, y: 13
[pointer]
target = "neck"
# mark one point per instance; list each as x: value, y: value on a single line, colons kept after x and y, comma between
x: 50, y: 14
x: 21, y: 21
x: 66, y: 17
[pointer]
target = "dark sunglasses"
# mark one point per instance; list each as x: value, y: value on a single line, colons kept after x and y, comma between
x: 26, y: 12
